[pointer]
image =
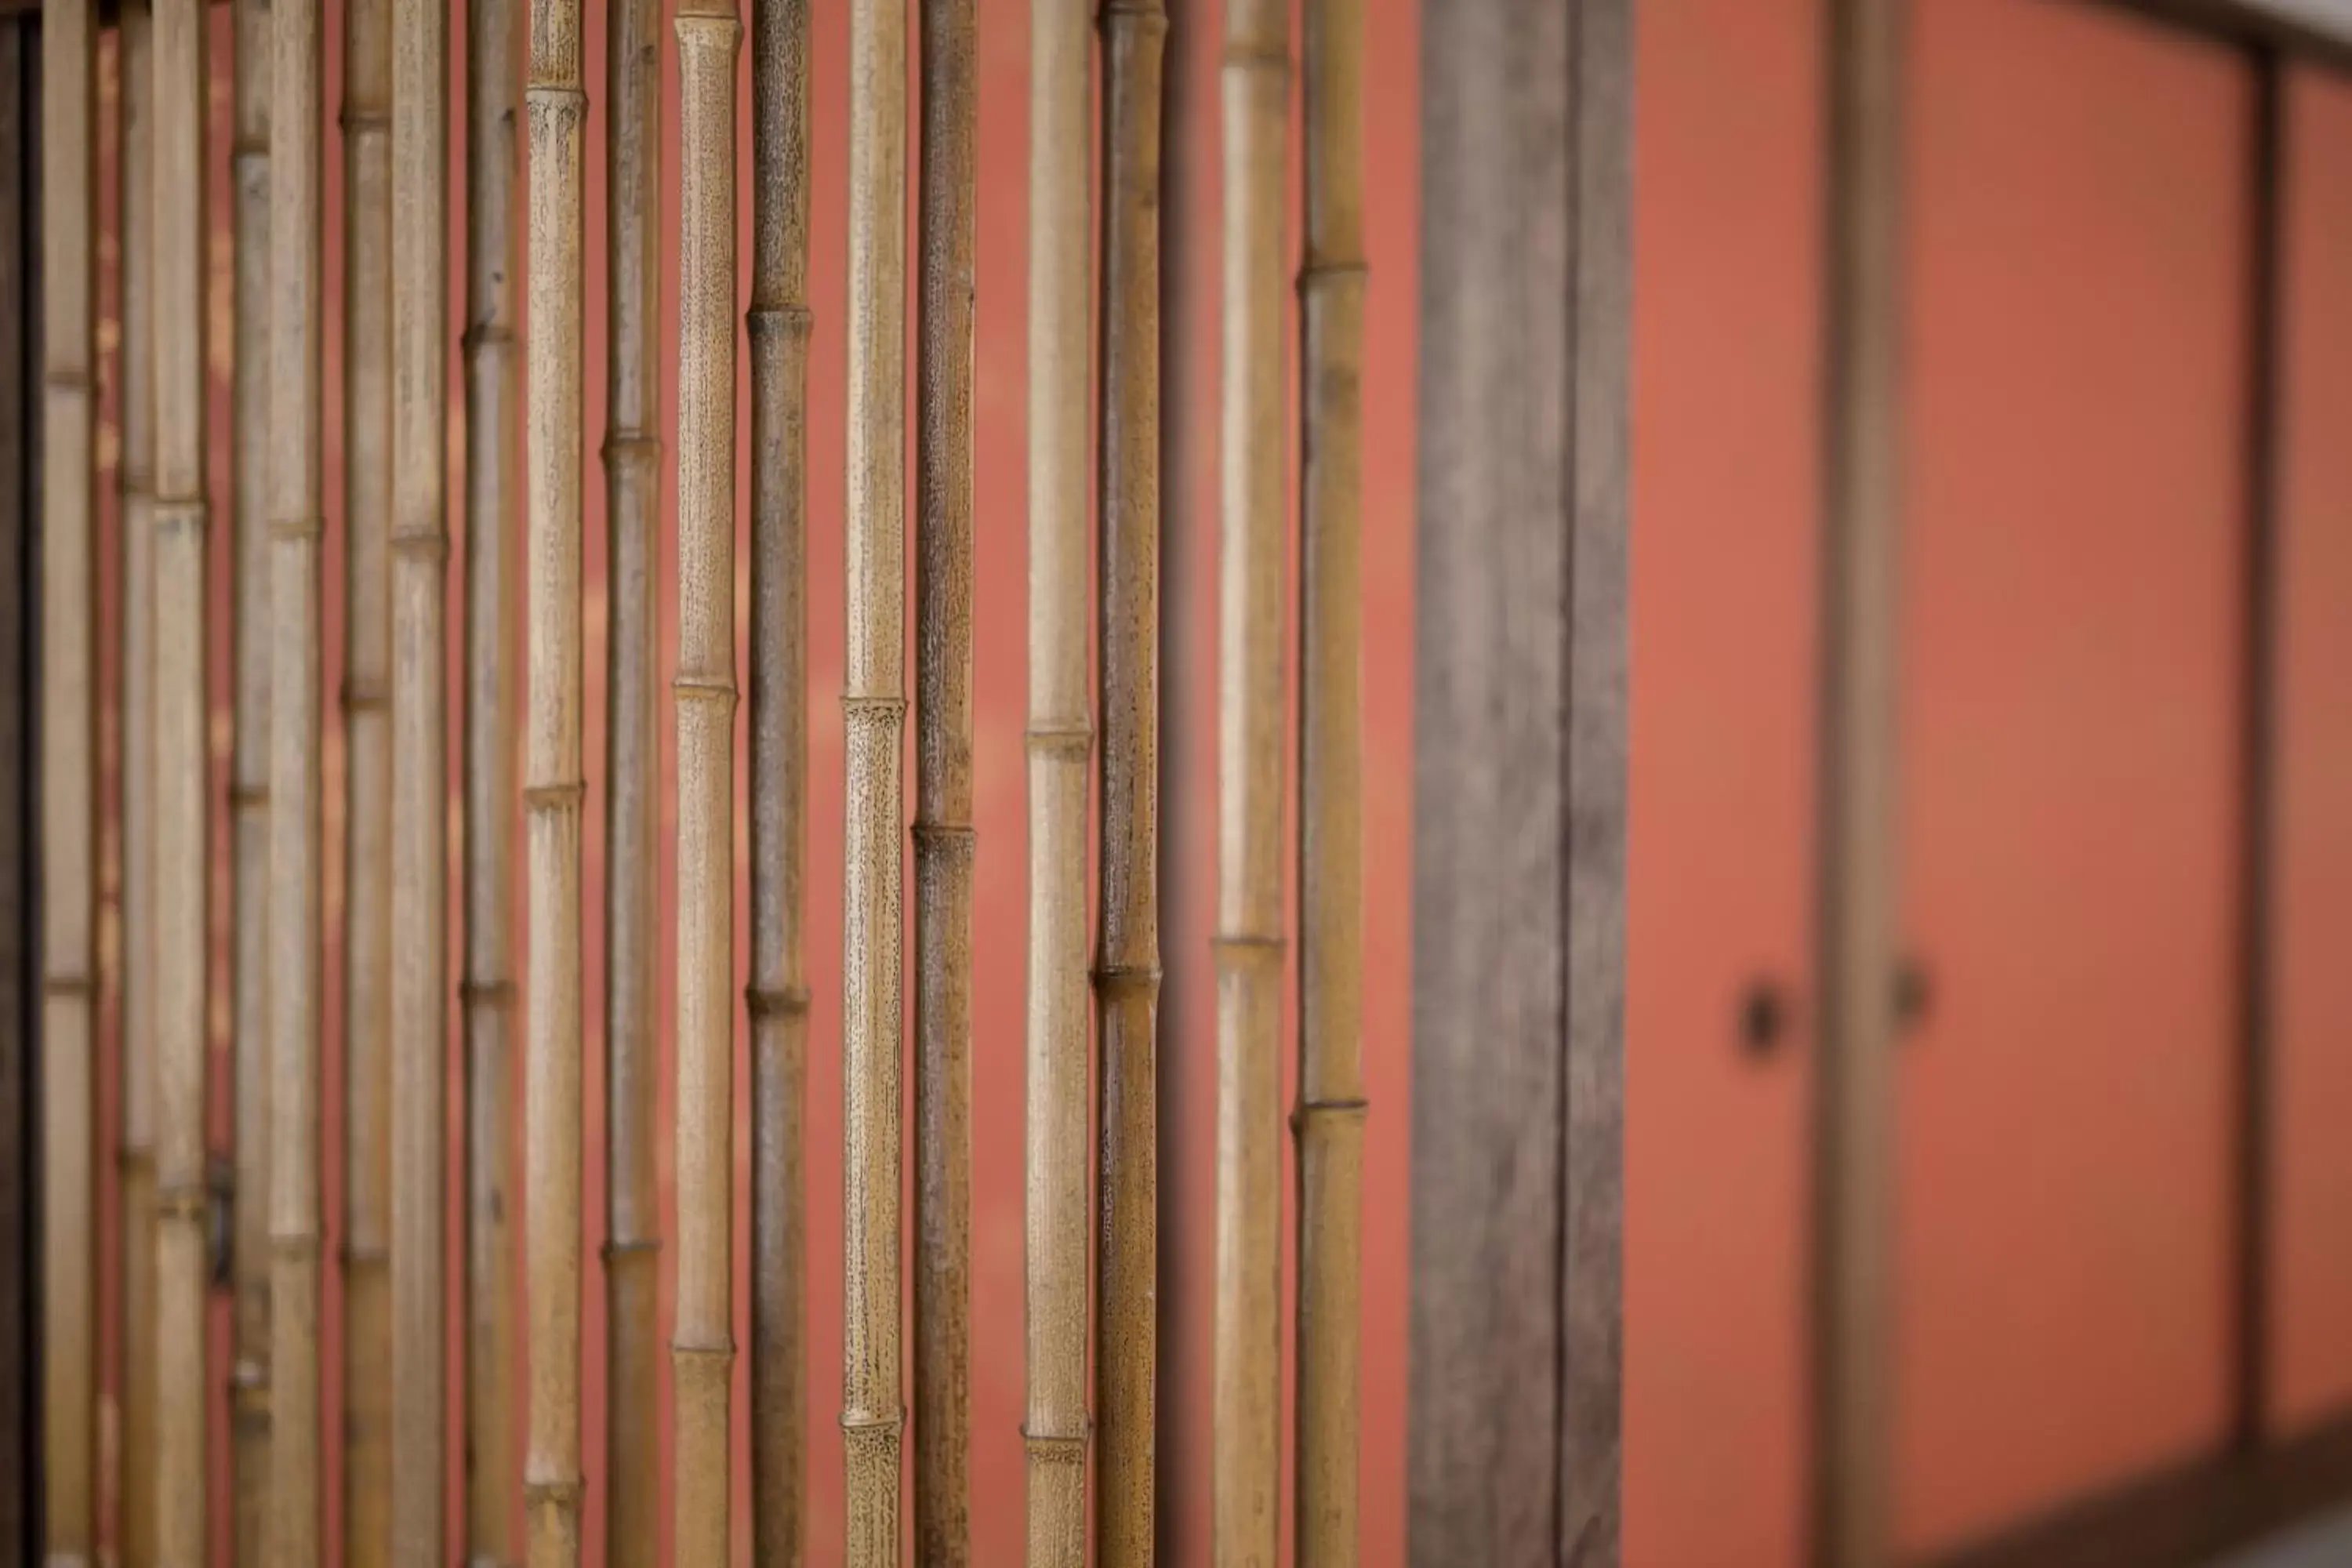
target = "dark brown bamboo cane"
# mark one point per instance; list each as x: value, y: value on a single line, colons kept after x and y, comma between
x: 777, y: 998
x: 1061, y: 732
x: 553, y: 787
x: 370, y: 278
x: 182, y: 794
x: 249, y: 503
x: 873, y: 711
x: 632, y: 792
x: 135, y: 1145
x: 69, y: 816
x: 295, y: 904
x: 702, y: 1348
x: 1127, y: 957
x: 1252, y: 626
x: 493, y: 158
x: 943, y: 831
x: 419, y: 734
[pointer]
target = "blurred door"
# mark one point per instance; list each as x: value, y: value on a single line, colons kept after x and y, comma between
x: 2074, y: 590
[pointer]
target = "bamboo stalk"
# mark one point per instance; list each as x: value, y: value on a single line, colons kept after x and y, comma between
x: 702, y: 1347
x: 69, y: 816
x: 1329, y: 1123
x: 297, y: 527
x: 370, y: 278
x: 182, y: 777
x: 419, y: 734
x: 1126, y: 963
x: 19, y: 946
x: 1060, y: 736
x: 493, y: 151
x: 249, y: 786
x: 556, y: 108
x: 943, y: 787
x: 1246, y: 1467
x: 633, y: 791
x: 873, y: 711
x: 777, y: 998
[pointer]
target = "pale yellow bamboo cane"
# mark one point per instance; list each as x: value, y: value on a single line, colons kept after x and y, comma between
x: 295, y: 904
x: 873, y: 711
x: 1252, y: 622
x: 69, y: 818
x: 777, y: 998
x: 493, y: 159
x: 556, y: 108
x: 1056, y: 1426
x: 183, y: 779
x: 631, y: 785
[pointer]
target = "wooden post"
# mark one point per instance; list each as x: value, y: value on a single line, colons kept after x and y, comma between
x: 1251, y: 631
x: 1519, y: 784
x: 183, y: 841
x: 777, y: 998
x: 1055, y: 1427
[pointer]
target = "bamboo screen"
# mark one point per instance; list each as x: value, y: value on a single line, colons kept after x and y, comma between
x: 544, y: 507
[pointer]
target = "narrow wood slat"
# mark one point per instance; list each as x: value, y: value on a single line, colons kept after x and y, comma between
x: 19, y: 887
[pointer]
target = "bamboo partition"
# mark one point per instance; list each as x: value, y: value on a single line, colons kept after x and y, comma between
x: 295, y: 904
x: 249, y: 503
x: 632, y: 787
x: 493, y: 153
x: 19, y: 947
x: 419, y: 548
x: 370, y: 278
x: 1329, y: 1123
x: 182, y: 797
x: 1055, y: 1427
x: 777, y: 998
x: 949, y: 200
x: 553, y: 787
x: 1127, y: 972
x: 873, y: 711
x: 1245, y: 1466
x: 702, y: 1349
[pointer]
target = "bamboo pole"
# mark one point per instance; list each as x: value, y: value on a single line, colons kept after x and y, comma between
x: 493, y: 155
x: 702, y: 1347
x: 943, y: 831
x: 297, y: 527
x: 1252, y: 627
x: 419, y: 732
x: 553, y: 787
x: 1056, y: 1426
x: 1127, y: 963
x: 777, y: 998
x: 370, y: 278
x: 874, y: 712
x: 69, y: 816
x: 249, y: 503
x: 19, y: 1028
x: 182, y: 837
x: 633, y: 791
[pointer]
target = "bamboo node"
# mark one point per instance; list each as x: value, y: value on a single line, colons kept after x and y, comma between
x: 629, y: 447
x: 1055, y: 1448
x: 564, y: 1494
x: 248, y: 151
x: 181, y: 516
x: 364, y: 1255
x: 555, y: 796
x: 719, y: 692
x: 248, y: 1393
x: 69, y: 987
x: 716, y: 1357
x: 1312, y: 1113
x: 770, y: 1002
x: 486, y: 335
x: 1257, y: 58
x: 363, y: 695
x: 1073, y: 740
x: 892, y: 709
x: 133, y: 1158
x: 298, y: 529
x: 358, y: 119
x: 295, y: 1246
x: 949, y: 836
x: 247, y: 796
x: 430, y: 546
x: 619, y: 1252
x: 64, y: 379
x: 560, y: 109
x: 1126, y: 979
x: 485, y: 992
x: 709, y: 28
x: 1314, y: 274
x: 1247, y: 944
x: 1149, y: 16
x: 860, y: 1423
x: 778, y: 320
x: 184, y: 1201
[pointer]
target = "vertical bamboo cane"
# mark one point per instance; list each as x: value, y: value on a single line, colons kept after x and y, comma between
x: 370, y: 278
x: 702, y: 1350
x: 135, y: 1148
x: 553, y: 787
x: 419, y: 546
x: 19, y: 948
x: 1061, y: 735
x: 777, y: 998
x: 249, y: 501
x: 943, y: 831
x: 493, y: 149
x: 70, y: 784
x: 183, y: 776
x: 1252, y: 622
x: 1127, y: 957
x: 632, y: 790
x: 873, y: 711
x: 296, y: 526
